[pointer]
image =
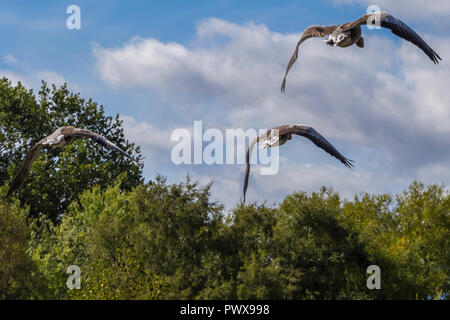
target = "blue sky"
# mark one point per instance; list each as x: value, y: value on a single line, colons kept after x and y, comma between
x: 222, y: 62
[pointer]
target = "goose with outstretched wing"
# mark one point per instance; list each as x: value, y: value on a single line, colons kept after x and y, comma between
x: 60, y: 138
x: 280, y: 135
x: 348, y: 34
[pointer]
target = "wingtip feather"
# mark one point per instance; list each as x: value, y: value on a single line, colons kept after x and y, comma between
x: 349, y: 163
x: 283, y: 86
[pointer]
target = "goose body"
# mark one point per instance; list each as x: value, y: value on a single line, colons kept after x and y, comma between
x: 344, y: 39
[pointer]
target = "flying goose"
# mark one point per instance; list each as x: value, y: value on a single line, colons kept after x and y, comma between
x: 280, y: 135
x: 348, y: 34
x: 59, y: 138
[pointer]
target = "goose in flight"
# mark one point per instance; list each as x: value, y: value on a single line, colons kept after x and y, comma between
x: 348, y: 34
x: 280, y: 135
x: 60, y: 138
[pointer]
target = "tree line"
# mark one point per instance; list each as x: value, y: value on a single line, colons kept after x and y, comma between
x: 153, y: 240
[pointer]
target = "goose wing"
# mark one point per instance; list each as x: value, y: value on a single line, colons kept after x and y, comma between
x: 31, y: 156
x: 301, y: 130
x: 317, y: 139
x: 247, y: 159
x: 310, y: 32
x: 84, y: 133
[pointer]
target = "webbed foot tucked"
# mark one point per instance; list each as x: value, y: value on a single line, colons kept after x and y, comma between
x: 360, y: 43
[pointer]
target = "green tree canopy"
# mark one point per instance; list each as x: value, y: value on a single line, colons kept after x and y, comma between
x: 409, y: 236
x: 145, y: 244
x: 59, y: 176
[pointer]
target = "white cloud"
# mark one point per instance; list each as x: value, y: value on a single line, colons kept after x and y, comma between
x: 310, y: 177
x: 50, y: 77
x: 434, y: 173
x: 145, y: 134
x: 154, y: 142
x: 385, y: 105
x: 420, y: 9
x: 14, y: 77
x: 293, y: 176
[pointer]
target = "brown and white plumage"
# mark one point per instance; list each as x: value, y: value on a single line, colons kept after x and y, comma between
x: 280, y: 135
x: 348, y: 34
x: 59, y: 138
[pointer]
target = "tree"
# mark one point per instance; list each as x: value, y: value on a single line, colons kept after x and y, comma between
x: 161, y: 241
x: 59, y: 176
x: 408, y: 236
x: 423, y: 239
x: 298, y: 250
x: 318, y: 257
x: 145, y: 244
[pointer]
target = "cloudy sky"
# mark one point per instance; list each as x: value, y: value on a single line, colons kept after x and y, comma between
x: 163, y: 65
